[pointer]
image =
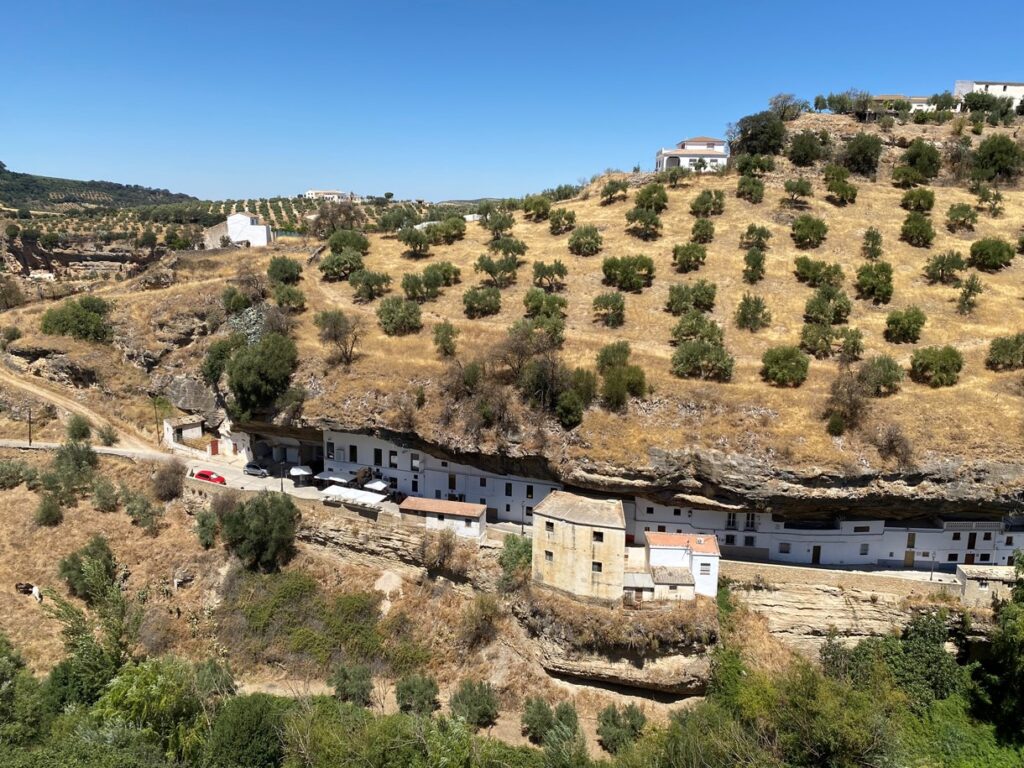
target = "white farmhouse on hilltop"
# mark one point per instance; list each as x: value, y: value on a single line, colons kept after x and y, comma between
x: 1001, y: 88
x: 689, y: 153
x: 241, y: 228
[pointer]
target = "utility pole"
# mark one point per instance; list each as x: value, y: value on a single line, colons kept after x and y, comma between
x: 156, y: 422
x: 282, y: 477
x: 29, y: 427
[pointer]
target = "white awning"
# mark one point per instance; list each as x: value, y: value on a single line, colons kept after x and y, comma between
x: 332, y: 477
x: 300, y: 471
x: 353, y: 496
x: 376, y: 485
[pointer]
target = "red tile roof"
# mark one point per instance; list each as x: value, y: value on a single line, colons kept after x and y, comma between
x: 700, y: 543
x: 702, y: 138
x: 417, y: 504
x: 695, y: 152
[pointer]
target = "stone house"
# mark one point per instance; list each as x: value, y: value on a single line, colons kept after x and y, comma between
x: 465, y: 520
x: 980, y: 584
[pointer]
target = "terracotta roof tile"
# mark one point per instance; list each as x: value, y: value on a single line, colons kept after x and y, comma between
x: 700, y: 543
x: 441, y: 507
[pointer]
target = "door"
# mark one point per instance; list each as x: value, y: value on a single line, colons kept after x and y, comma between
x: 972, y: 540
x: 969, y: 558
x: 816, y: 555
x: 908, y: 559
x: 214, y: 447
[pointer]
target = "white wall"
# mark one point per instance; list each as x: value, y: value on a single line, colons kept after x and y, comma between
x: 705, y: 574
x: 462, y: 526
x: 242, y: 227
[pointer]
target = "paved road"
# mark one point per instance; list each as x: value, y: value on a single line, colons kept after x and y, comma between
x: 236, y: 478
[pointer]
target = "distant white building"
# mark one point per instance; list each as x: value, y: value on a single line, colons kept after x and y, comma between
x: 331, y: 196
x: 886, y: 101
x: 1000, y: 88
x: 241, y: 228
x: 689, y: 153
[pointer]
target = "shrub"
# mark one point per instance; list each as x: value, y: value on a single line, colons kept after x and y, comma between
x: 797, y: 189
x: 284, y: 270
x: 828, y: 306
x: 998, y: 158
x: 628, y: 273
x: 652, y: 197
x: 369, y: 285
x: 540, y: 303
x: 206, y: 528
x: 353, y: 683
x: 83, y: 318
x: 693, y: 324
x: 416, y: 694
x: 78, y: 428
x: 441, y: 273
x: 475, y: 702
x: 507, y: 246
x: 643, y: 223
x: 919, y: 199
x: 943, y: 268
x: 340, y: 332
x: 289, y: 298
x: 481, y: 301
x: 537, y: 207
x: 699, y: 295
x: 619, y: 728
x: 750, y: 189
x: 753, y: 265
x: 762, y: 133
x: 923, y: 158
x: 168, y: 480
x: 936, y: 366
x: 569, y: 409
x: 12, y: 231
x: 880, y: 376
x: 71, y: 571
x: 862, y: 153
x: 261, y: 530
x: 874, y: 281
x: 610, y: 309
x: 817, y: 273
x: 141, y: 511
x: 49, y: 512
x: 969, y: 292
x: 614, y: 189
x: 537, y: 719
x: 708, y: 203
x: 104, y: 495
x: 784, y: 366
x: 259, y: 373
x: 754, y: 165
x: 689, y: 257
x: 961, y: 216
x: 247, y: 733
x: 562, y: 220
x: 348, y: 238
x: 501, y: 271
x: 398, y: 317
x: 904, y: 326
x: 416, y: 241
x: 805, y: 149
x: 991, y: 254
x: 550, y: 276
x: 702, y: 359
x: 841, y: 192
x: 445, y: 335
x: 871, y: 249
x: 585, y: 241
x: 341, y: 265
x: 703, y: 231
x: 809, y: 232
x: 107, y: 435
x: 1006, y: 353
x: 752, y: 313
x: 755, y: 237
x: 906, y: 177
x: 917, y: 230
x: 612, y: 355
x: 621, y: 382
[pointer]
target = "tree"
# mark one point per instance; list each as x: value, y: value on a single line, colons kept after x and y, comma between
x: 991, y: 254
x: 353, y: 683
x: 917, y: 230
x: 936, y: 366
x: 754, y: 165
x: 610, y: 309
x: 369, y: 285
x: 537, y: 207
x: 613, y: 189
x: 752, y: 313
x: 862, y: 153
x: 653, y: 197
x: 612, y: 355
x: 701, y: 358
x: 78, y: 428
x: 904, y: 326
x: 481, y: 301
x: 874, y: 281
x: 880, y: 376
x: 497, y: 223
x: 841, y: 192
x: 169, y: 480
x: 828, y: 306
x: 284, y: 270
x: 537, y: 719
x: 708, y: 203
x: 501, y: 271
x: 699, y: 295
x: 805, y: 149
x: 147, y: 240
x: 906, y: 177
x: 998, y: 158
x: 71, y: 568
x: 621, y: 382
x: 550, y: 276
x: 261, y: 530
x: 84, y: 318
x: 340, y: 265
x: 798, y: 189
x: 961, y: 216
x: 562, y: 220
x: 969, y: 292
x: 919, y: 199
x: 753, y: 265
x: 585, y: 241
x: 619, y: 728
x: 703, y: 231
x: 475, y: 702
x: 762, y: 133
x: 872, y: 246
x: 217, y: 356
x: 445, y: 335
x: 540, y: 303
x: 259, y: 373
x: 398, y: 317
x: 339, y: 331
x: 246, y: 733
x: 416, y: 694
x: 1006, y: 353
x: 628, y: 273
x: 507, y: 246
x: 289, y: 298
x: 924, y: 158
x: 689, y: 257
x: 808, y: 232
x: 750, y: 189
x: 416, y: 241
x: 348, y: 238
x: 643, y: 223
x: 784, y: 366
x: 787, y: 106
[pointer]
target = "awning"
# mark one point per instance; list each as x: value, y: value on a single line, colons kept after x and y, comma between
x: 376, y: 485
x: 300, y: 471
x: 332, y: 477
x: 352, y: 496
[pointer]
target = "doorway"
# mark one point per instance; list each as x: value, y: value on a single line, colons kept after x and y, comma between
x: 816, y: 555
x: 969, y: 558
x: 972, y: 540
x: 908, y: 559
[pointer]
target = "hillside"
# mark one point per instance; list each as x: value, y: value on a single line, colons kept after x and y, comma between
x: 26, y: 190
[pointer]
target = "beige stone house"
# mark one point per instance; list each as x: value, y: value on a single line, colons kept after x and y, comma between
x: 979, y: 584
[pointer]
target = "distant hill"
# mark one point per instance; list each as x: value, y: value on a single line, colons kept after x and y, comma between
x: 26, y: 190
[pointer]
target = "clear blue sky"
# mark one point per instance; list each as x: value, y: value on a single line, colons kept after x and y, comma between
x: 438, y: 99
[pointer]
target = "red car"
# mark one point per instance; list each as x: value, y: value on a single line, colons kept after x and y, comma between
x: 210, y: 477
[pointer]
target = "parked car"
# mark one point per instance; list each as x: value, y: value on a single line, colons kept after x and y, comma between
x: 254, y: 469
x: 210, y: 476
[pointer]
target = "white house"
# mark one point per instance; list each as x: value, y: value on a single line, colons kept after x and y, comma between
x: 1002, y: 89
x: 331, y: 195
x: 466, y: 520
x: 240, y: 228
x: 689, y: 153
x: 183, y: 428
x: 682, y: 565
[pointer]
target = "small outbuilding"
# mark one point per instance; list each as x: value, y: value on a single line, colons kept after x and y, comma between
x: 685, y: 564
x: 183, y: 428
x: 980, y: 584
x: 466, y: 520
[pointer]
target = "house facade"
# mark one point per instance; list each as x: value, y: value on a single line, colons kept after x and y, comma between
x: 1000, y: 88
x: 699, y: 153
x: 677, y: 559
x: 240, y: 228
x: 981, y: 584
x: 465, y: 520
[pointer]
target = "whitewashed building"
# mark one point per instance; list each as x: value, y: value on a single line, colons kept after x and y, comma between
x: 465, y: 520
x: 240, y: 228
x: 1000, y: 88
x: 703, y: 153
x: 682, y: 565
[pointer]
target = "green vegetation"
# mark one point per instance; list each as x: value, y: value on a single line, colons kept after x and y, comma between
x: 619, y: 728
x: 284, y: 270
x: 475, y: 702
x: 83, y: 318
x: 709, y: 202
x: 752, y: 313
x: 874, y: 281
x: 904, y: 326
x: 683, y: 297
x: 445, y: 336
x: 585, y: 241
x: 610, y: 309
x: 753, y: 265
x: 944, y: 268
x: 703, y: 231
x: 562, y: 220
x: 817, y: 273
x: 341, y: 265
x: 872, y: 246
x: 397, y: 316
x: 917, y: 230
x: 808, y: 231
x: 259, y: 373
x: 369, y: 285
x: 750, y: 189
x: 481, y: 301
x: 991, y: 254
x: 784, y: 366
x: 961, y: 216
x: 936, y: 366
x: 690, y: 256
x: 920, y: 199
x: 805, y: 149
x: 862, y: 153
x: 26, y: 190
x: 416, y: 694
x: 628, y: 273
x: 261, y: 530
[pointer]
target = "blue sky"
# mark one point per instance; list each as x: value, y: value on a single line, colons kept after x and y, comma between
x: 441, y: 99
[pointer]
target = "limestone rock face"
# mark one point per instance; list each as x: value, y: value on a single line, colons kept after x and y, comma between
x: 193, y: 396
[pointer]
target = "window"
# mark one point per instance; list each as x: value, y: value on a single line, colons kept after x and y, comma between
x: 784, y: 547
x: 393, y: 459
x: 483, y: 482
x: 468, y: 522
x: 650, y: 510
x: 924, y: 554
x: 451, y: 482
x: 951, y: 558
x: 508, y: 489
x: 444, y: 463
x: 598, y: 537
x: 864, y: 549
x: 596, y: 567
x: 1009, y: 541
x: 705, y: 569
x: 548, y: 556
x: 529, y: 491
x: 956, y: 536
x: 415, y: 485
x: 393, y: 483
x: 985, y: 557
x: 353, y: 454
x: 677, y: 512
x: 661, y: 529
x: 437, y: 494
x: 508, y: 507
x: 672, y: 588
x: 862, y: 529
x: 711, y: 145
x: 750, y: 523
x: 378, y: 457
x: 982, y: 585
x: 330, y: 449
x: 549, y: 526
x: 414, y: 462
x: 748, y: 541
x: 987, y: 536
x: 529, y: 511
x: 730, y: 520
x: 730, y: 539
x: 484, y: 502
x: 440, y: 518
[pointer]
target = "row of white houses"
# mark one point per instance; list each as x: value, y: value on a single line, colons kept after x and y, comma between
x: 933, y: 543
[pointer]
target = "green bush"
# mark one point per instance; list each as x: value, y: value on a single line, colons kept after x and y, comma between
x: 828, y: 306
x: 481, y: 301
x: 398, y: 317
x: 874, y: 281
x: 540, y: 303
x: 348, y: 238
x: 784, y: 366
x: 919, y: 199
x: 808, y: 232
x: 700, y: 358
x: 416, y: 289
x: 752, y: 313
x: 621, y: 382
x: 258, y: 374
x: 289, y: 298
x: 107, y: 435
x: 970, y: 289
x: 585, y: 241
x: 753, y: 265
x: 562, y: 220
x: 550, y: 276
x: 998, y: 158
x: 1006, y: 353
x: 261, y: 530
x: 817, y: 273
x: 83, y: 318
x: 416, y: 694
x: 341, y: 265
x: 416, y: 241
x: 369, y: 285
x: 49, y: 512
x: 693, y: 324
x: 612, y: 355
x: 871, y: 248
x: 70, y: 567
x: 754, y: 165
x: 141, y: 511
x: 610, y: 309
x: 353, y: 683
x: 961, y: 216
x: 537, y: 719
x: 923, y: 158
x: 805, y: 149
x: 652, y: 197
x: 991, y: 254
x: 699, y: 295
x: 501, y: 271
x: 798, y: 189
x: 620, y: 728
x: 880, y: 376
x: 78, y: 428
x: 750, y: 189
x: 708, y: 203
x: 537, y: 207
x: 862, y: 153
x: 569, y: 409
x: 936, y: 366
x: 703, y: 231
x: 247, y: 733
x: 445, y: 335
x: 169, y: 480
x: 507, y: 246
x: 613, y: 189
x: 905, y: 177
x: 207, y: 526
x: 628, y: 273
x: 904, y: 326
x: 755, y: 237
x: 690, y: 256
x: 475, y: 702
x: 944, y: 268
x: 917, y: 230
x: 762, y: 133
x: 284, y: 270
x: 643, y: 223
x: 217, y: 356
x: 841, y: 192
